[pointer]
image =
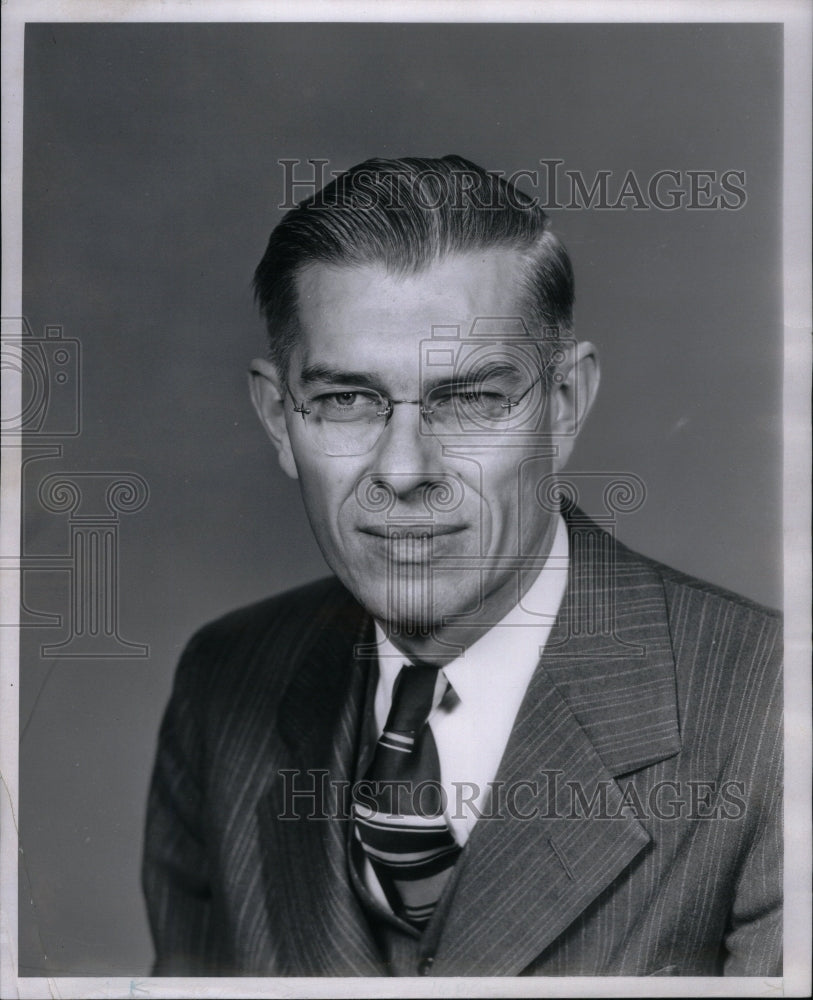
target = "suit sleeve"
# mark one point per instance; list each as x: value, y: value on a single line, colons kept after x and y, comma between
x: 175, y: 869
x: 753, y: 943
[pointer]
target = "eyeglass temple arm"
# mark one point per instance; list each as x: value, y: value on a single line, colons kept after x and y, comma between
x: 297, y: 407
x: 515, y: 402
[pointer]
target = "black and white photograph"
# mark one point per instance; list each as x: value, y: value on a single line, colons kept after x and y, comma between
x: 406, y: 505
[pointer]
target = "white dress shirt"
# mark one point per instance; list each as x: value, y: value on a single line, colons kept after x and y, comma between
x: 489, y: 680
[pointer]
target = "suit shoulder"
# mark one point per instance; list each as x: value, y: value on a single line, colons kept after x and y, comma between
x: 682, y: 584
x: 724, y: 634
x: 727, y: 654
x: 270, y: 634
x: 280, y: 611
x: 679, y: 585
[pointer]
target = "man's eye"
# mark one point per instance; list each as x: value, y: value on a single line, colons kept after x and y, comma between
x: 345, y: 399
x: 477, y: 397
x: 461, y: 400
x: 347, y: 404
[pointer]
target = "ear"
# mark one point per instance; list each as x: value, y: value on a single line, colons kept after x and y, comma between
x: 268, y: 396
x: 571, y: 397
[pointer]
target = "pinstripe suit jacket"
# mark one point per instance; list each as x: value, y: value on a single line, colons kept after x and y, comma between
x: 649, y: 742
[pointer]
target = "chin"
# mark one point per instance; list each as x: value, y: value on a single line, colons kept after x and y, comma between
x: 412, y: 609
x: 402, y: 611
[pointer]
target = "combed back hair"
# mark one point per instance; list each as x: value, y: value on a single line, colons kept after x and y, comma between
x: 406, y: 214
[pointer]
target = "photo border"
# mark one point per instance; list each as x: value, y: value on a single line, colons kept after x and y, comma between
x: 797, y: 17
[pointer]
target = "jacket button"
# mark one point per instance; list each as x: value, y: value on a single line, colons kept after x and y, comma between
x: 425, y: 965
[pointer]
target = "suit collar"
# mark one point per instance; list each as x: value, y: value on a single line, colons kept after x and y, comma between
x: 610, y: 651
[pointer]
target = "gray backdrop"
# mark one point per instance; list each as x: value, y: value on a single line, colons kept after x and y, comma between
x: 151, y: 183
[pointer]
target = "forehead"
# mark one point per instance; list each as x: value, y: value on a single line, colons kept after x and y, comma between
x: 367, y: 317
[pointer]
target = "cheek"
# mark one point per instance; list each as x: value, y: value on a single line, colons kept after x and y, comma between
x: 501, y: 487
x: 328, y: 492
x: 319, y: 497
x: 510, y: 492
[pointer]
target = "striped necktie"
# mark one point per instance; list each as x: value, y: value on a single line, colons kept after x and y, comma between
x: 401, y: 825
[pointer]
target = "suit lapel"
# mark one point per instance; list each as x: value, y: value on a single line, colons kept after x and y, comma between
x: 315, y: 914
x: 601, y: 704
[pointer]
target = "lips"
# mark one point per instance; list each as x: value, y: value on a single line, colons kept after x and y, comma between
x: 412, y: 545
x: 413, y: 531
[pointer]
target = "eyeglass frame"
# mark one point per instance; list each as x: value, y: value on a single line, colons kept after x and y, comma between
x: 387, y: 413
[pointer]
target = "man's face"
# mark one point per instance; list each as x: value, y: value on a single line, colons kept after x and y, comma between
x: 423, y: 526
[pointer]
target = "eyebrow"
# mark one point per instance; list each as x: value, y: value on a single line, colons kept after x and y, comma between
x: 313, y: 374
x: 492, y: 369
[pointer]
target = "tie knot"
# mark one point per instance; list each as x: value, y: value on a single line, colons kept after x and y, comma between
x: 412, y: 697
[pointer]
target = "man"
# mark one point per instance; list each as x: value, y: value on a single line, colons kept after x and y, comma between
x: 497, y: 742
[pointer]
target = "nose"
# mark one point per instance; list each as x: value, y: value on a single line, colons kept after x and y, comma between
x: 407, y: 457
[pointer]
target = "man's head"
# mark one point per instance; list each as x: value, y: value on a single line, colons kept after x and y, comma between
x: 422, y: 383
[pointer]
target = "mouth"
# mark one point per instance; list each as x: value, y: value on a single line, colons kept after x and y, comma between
x: 411, y: 544
x: 407, y: 547
x: 415, y: 532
